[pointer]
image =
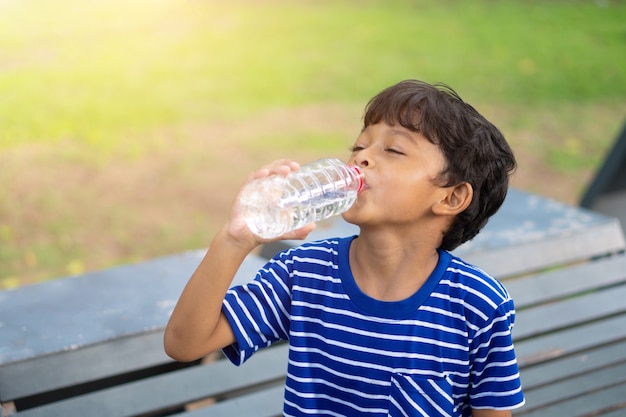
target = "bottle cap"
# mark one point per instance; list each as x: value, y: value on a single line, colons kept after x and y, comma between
x: 360, y: 176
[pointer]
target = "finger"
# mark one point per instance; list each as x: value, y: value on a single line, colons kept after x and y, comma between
x: 283, y: 166
x: 299, y: 234
x: 277, y: 167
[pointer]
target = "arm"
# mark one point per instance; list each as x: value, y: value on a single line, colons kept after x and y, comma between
x: 197, y: 325
x: 490, y: 413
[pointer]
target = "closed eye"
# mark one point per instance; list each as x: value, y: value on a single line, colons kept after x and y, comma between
x: 356, y: 148
x: 392, y: 150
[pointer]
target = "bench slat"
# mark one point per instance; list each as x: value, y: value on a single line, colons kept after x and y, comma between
x: 583, y: 308
x: 586, y: 405
x: 264, y: 403
x: 570, y: 312
x: 570, y: 341
x: 582, y: 384
x: 72, y: 367
x: 566, y: 367
x: 552, y: 285
x: 619, y: 412
x: 173, y: 389
x: 527, y: 257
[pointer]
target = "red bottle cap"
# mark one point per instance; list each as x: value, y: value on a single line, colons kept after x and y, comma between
x: 360, y: 176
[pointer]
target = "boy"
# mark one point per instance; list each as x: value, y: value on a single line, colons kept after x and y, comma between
x: 387, y: 322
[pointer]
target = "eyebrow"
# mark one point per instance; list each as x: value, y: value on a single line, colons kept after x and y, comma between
x: 403, y: 133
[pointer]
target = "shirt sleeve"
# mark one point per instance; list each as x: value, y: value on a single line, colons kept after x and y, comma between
x: 258, y: 312
x: 495, y: 380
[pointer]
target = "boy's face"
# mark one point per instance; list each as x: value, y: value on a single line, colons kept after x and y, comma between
x: 400, y: 167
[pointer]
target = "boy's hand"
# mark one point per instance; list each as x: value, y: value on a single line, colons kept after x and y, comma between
x: 237, y: 229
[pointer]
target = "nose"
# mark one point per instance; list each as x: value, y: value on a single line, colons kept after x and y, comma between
x: 363, y: 160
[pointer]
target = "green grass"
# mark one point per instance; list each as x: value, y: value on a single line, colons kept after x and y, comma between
x: 93, y: 71
x: 92, y: 81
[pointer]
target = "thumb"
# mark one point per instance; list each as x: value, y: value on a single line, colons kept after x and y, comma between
x: 299, y: 234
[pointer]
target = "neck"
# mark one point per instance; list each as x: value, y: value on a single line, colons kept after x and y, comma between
x: 391, y: 267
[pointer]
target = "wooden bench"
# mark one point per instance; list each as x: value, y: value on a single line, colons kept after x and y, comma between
x: 92, y: 345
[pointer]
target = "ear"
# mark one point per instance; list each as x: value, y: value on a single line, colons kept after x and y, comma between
x: 456, y: 199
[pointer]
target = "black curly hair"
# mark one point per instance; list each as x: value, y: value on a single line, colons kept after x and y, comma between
x: 475, y: 150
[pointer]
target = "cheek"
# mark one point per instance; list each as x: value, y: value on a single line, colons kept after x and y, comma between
x: 403, y: 185
x: 412, y: 194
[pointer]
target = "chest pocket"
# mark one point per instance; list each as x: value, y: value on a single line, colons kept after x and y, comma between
x: 413, y: 395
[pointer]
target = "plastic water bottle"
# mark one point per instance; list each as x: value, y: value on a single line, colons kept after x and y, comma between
x: 275, y: 205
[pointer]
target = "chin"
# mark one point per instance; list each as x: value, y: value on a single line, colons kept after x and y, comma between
x: 347, y: 216
x: 351, y: 216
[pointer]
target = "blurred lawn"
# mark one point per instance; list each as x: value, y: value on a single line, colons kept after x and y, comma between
x: 91, y: 71
x: 101, y: 77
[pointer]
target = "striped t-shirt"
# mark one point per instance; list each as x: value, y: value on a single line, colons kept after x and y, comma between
x: 443, y: 350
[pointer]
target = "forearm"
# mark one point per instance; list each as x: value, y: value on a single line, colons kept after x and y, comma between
x: 197, y: 326
x: 490, y: 413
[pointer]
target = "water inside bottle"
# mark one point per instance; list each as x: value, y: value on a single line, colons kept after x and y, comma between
x: 275, y: 205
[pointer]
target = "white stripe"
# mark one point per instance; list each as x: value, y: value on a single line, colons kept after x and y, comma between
x: 279, y: 263
x: 500, y: 287
x: 383, y: 336
x: 250, y: 319
x: 379, y: 320
x: 382, y: 352
x: 497, y: 379
x: 500, y: 394
x: 488, y: 343
x: 315, y: 261
x: 480, y: 280
x: 335, y: 400
x: 428, y: 398
x: 298, y: 288
x: 497, y: 319
x: 409, y: 400
x: 474, y: 292
x: 341, y: 388
x: 237, y: 323
x: 332, y: 371
x: 441, y: 391
x: 395, y: 403
x: 278, y: 279
x: 319, y: 277
x: 262, y: 310
x: 272, y: 305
